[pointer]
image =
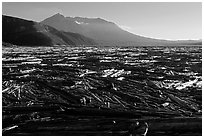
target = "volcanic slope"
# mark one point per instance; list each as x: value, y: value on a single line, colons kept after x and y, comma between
x: 105, y: 32
x: 29, y: 33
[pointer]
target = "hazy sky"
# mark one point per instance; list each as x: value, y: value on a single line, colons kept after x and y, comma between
x: 151, y: 19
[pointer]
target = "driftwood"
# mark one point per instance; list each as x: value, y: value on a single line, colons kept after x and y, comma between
x: 96, y: 91
x: 66, y: 95
x: 175, y: 126
x: 28, y: 109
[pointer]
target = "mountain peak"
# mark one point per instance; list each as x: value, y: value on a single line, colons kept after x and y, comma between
x: 101, y: 30
x: 24, y: 32
x: 93, y: 20
x: 58, y: 15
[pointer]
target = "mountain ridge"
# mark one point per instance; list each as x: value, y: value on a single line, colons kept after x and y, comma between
x: 61, y: 30
x: 105, y: 32
x: 26, y: 32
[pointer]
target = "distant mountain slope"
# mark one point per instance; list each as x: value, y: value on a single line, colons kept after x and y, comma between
x: 23, y: 32
x: 104, y: 32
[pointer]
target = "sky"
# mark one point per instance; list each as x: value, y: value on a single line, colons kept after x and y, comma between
x: 167, y: 20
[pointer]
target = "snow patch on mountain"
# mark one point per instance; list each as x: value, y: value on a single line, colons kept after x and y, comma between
x: 77, y: 22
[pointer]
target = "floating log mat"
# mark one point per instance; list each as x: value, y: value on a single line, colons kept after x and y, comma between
x: 101, y: 91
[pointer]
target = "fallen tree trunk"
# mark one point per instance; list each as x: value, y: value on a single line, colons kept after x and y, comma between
x: 175, y: 126
x: 27, y: 109
x: 64, y: 94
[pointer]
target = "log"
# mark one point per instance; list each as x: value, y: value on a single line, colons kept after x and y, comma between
x: 27, y: 109
x: 175, y: 126
x: 181, y: 102
x: 101, y: 112
x: 126, y: 97
x: 62, y: 93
